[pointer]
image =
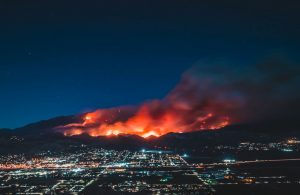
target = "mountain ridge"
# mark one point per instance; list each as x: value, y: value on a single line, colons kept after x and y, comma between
x: 42, y: 135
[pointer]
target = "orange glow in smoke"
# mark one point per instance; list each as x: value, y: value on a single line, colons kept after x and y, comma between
x: 144, y: 125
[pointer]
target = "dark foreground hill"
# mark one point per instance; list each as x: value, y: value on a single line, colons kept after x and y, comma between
x: 41, y: 136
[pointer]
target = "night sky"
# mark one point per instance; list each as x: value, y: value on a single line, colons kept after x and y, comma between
x: 65, y: 57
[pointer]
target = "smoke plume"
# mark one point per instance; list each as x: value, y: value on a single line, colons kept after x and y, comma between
x: 207, y: 97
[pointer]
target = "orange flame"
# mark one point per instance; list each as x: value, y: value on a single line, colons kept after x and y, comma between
x: 143, y: 124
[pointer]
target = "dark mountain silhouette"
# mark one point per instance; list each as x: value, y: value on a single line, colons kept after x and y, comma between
x: 47, y: 126
x: 43, y: 135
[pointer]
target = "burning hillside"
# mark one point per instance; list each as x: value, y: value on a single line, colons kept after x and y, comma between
x: 205, y: 98
x: 190, y: 106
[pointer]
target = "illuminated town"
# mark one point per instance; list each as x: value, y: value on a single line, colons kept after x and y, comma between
x: 88, y: 170
x: 149, y: 97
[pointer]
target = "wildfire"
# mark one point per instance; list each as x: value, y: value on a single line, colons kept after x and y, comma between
x: 143, y: 126
x: 187, y: 108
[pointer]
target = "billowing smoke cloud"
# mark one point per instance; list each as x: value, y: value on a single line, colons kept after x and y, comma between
x: 207, y: 97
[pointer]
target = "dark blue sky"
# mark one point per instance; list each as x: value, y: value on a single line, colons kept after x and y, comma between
x: 64, y: 57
